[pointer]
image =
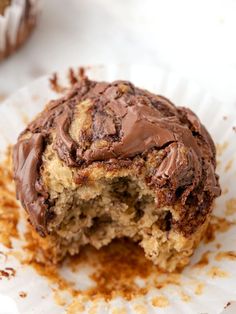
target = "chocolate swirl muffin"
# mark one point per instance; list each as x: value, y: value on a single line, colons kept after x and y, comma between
x: 17, y: 20
x: 110, y: 160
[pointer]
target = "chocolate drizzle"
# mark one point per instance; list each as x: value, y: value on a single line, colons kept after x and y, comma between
x: 27, y: 160
x: 125, y: 122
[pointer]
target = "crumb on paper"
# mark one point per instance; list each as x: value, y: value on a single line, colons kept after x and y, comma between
x: 230, y: 255
x: 160, y: 301
x: 230, y: 207
x: 203, y: 261
x: 234, y: 128
x: 51, y: 272
x: 199, y: 288
x: 114, y: 274
x: 140, y: 308
x: 171, y: 279
x: 119, y: 310
x: 9, y: 208
x: 75, y: 307
x: 220, y: 148
x: 215, y: 272
x: 217, y: 224
x: 227, y: 305
x: 185, y: 297
x: 22, y: 294
x: 228, y: 165
x: 11, y: 271
x: 58, y: 298
x: 7, y: 272
x: 225, y: 117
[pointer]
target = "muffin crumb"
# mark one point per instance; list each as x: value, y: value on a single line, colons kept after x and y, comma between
x: 7, y: 272
x: 23, y: 294
x: 217, y: 272
x: 230, y: 207
x: 229, y: 255
x: 160, y: 301
x: 204, y: 260
x: 227, y: 305
x: 199, y: 288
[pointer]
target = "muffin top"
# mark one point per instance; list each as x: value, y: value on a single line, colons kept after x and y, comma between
x: 118, y: 124
x: 3, y: 5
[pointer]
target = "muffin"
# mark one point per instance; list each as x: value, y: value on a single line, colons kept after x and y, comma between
x: 110, y: 160
x: 17, y: 20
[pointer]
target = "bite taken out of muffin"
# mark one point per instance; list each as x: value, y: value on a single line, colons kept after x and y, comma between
x: 110, y: 160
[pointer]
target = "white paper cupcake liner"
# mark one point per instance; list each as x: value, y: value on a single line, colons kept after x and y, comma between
x: 11, y: 20
x: 217, y: 278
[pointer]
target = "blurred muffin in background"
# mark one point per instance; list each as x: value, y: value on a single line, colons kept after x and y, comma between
x: 17, y: 20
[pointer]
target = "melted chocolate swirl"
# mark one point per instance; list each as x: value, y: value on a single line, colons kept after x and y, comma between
x: 126, y: 122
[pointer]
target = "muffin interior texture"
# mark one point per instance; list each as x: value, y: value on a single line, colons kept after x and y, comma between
x: 97, y: 211
x: 110, y: 160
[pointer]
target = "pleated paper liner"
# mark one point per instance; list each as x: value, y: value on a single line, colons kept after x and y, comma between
x: 118, y: 279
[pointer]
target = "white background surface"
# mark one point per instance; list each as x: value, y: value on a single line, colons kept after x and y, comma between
x: 194, y: 38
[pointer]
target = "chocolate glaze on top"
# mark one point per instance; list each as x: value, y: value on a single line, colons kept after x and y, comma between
x: 126, y: 122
